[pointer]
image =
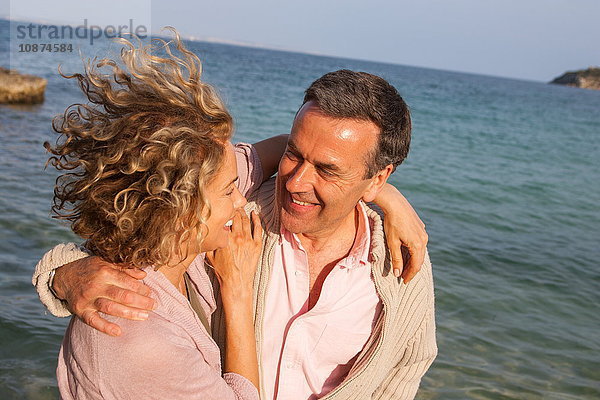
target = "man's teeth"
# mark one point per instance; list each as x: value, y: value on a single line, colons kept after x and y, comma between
x: 301, y: 203
x: 229, y: 223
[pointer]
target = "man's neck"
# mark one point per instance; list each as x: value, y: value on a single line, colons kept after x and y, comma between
x: 325, y: 250
x: 338, y: 239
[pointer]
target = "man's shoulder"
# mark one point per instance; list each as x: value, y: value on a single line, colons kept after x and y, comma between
x: 264, y: 192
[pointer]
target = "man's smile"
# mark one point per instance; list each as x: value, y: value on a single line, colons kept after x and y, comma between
x: 297, y: 203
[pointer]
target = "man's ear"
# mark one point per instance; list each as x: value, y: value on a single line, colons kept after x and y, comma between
x: 377, y: 182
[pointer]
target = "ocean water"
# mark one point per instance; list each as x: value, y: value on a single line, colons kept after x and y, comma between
x: 505, y: 173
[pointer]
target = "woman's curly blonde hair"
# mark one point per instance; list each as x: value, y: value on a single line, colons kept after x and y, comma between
x: 140, y: 154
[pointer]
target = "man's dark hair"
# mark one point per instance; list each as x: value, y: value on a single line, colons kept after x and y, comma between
x: 359, y: 95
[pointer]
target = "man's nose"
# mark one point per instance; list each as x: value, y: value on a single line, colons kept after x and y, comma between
x: 300, y: 180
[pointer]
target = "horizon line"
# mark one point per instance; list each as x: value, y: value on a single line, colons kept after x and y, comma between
x: 241, y: 43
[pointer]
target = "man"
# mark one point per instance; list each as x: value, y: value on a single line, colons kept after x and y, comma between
x: 332, y: 320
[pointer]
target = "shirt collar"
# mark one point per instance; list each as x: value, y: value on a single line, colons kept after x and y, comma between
x: 359, y: 253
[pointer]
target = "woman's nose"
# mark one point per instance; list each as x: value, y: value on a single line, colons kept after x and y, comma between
x: 239, y: 201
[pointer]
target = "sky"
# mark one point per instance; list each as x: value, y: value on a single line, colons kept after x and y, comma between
x: 525, y: 39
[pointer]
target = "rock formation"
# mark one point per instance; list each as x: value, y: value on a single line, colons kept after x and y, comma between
x: 585, y: 78
x: 16, y: 88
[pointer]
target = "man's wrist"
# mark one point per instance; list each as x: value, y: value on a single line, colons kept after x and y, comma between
x: 51, y: 285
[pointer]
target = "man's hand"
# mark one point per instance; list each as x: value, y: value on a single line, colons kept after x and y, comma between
x: 91, y: 285
x: 403, y: 229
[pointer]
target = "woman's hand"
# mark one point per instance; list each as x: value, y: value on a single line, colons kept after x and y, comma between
x: 403, y: 229
x: 235, y: 265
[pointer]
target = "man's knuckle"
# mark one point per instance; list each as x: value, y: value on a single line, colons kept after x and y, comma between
x: 88, y: 317
x: 105, y: 273
x: 128, y: 297
x: 109, y: 307
x: 118, y: 295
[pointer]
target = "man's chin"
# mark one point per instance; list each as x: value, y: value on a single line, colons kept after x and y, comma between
x: 292, y: 224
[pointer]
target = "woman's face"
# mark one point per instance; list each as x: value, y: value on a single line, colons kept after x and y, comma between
x: 224, y: 199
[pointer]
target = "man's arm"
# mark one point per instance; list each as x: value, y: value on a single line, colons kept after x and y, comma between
x: 60, y: 255
x: 413, y: 354
x: 403, y: 381
x: 91, y: 285
x: 84, y: 285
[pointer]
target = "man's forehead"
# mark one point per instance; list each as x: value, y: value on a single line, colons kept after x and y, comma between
x: 324, y: 156
x: 314, y: 129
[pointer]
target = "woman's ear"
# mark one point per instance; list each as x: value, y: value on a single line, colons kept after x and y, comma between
x: 377, y: 182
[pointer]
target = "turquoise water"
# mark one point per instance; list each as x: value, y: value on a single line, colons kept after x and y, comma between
x: 505, y: 173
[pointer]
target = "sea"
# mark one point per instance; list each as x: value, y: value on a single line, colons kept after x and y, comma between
x: 505, y: 173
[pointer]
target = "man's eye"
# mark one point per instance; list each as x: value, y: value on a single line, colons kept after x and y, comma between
x: 290, y: 155
x: 326, y: 172
x: 229, y: 193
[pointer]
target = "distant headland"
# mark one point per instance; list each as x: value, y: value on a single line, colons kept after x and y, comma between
x: 585, y: 78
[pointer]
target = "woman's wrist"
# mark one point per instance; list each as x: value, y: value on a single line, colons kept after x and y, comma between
x: 389, y: 198
x: 237, y: 301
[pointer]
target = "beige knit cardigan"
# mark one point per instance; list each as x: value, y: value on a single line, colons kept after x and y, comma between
x: 401, y: 347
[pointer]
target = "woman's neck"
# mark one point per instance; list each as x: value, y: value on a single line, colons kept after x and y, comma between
x: 174, y: 273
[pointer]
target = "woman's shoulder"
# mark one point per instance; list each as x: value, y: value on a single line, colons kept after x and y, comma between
x: 144, y: 361
x: 154, y: 333
x: 171, y: 323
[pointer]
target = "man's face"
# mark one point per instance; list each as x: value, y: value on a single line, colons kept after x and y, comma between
x: 321, y: 175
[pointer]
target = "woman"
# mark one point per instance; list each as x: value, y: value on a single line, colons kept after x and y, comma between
x: 151, y: 183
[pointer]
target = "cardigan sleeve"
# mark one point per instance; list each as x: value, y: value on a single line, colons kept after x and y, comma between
x: 57, y: 257
x: 403, y: 380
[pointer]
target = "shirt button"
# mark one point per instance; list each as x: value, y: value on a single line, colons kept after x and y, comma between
x: 298, y: 273
x: 289, y: 365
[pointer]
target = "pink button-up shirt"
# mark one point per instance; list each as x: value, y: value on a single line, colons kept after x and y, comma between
x: 306, y: 354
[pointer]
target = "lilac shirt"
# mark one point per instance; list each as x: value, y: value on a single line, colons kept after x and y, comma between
x: 169, y: 356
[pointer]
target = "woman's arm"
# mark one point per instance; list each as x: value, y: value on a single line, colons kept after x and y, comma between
x: 403, y: 229
x: 235, y: 267
x: 269, y: 152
